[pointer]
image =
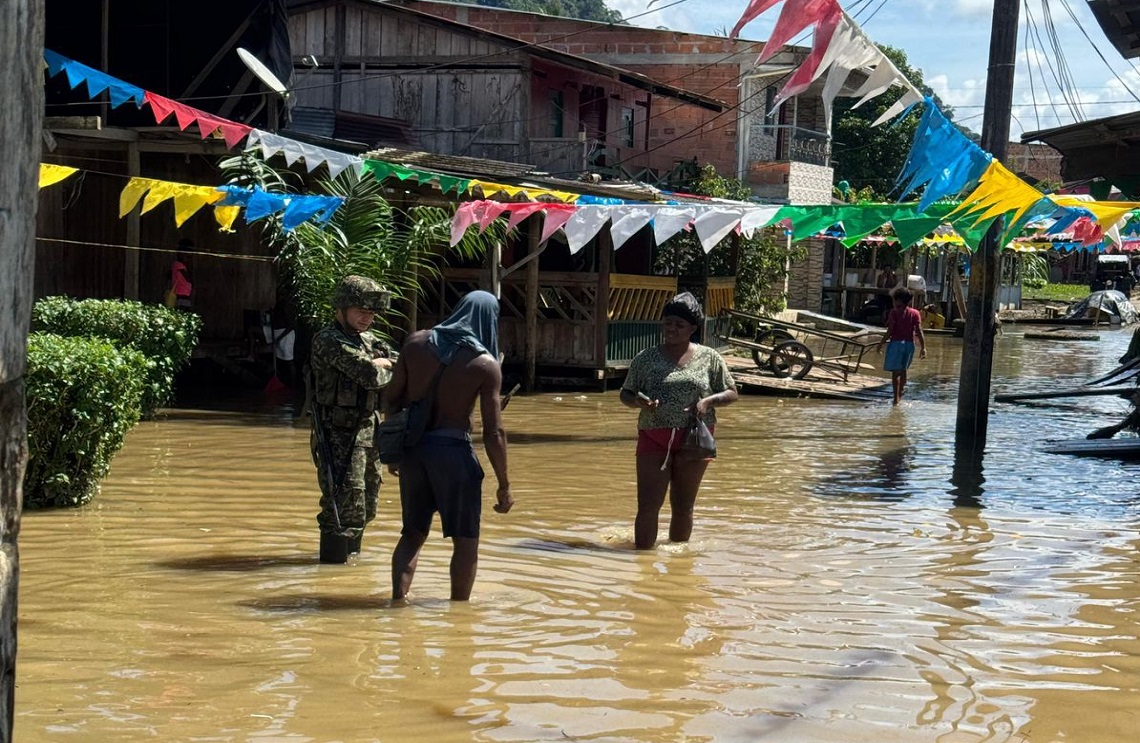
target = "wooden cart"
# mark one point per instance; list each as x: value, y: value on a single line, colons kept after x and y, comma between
x: 789, y: 349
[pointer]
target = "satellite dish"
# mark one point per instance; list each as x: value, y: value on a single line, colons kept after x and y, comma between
x: 263, y: 73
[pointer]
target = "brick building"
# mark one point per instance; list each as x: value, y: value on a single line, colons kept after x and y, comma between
x: 784, y: 156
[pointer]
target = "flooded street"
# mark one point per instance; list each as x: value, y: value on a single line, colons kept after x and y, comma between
x: 842, y: 585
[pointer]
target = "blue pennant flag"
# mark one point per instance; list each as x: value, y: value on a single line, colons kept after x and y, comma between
x: 301, y: 208
x: 97, y: 82
x: 942, y: 158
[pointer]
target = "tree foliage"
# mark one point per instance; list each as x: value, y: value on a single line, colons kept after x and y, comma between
x: 870, y: 157
x: 587, y: 10
x: 367, y: 236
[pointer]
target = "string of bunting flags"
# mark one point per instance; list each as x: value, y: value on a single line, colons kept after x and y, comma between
x: 943, y: 162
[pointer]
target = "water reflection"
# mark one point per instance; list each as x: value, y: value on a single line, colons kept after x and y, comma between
x: 843, y: 584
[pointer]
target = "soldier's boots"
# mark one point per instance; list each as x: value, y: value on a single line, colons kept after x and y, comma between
x: 334, y: 549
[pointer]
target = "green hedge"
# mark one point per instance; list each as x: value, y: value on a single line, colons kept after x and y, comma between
x: 83, y: 395
x: 165, y: 337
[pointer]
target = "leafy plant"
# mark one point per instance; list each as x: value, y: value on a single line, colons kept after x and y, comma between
x: 165, y: 337
x: 83, y: 395
x: 366, y: 236
x: 1034, y: 270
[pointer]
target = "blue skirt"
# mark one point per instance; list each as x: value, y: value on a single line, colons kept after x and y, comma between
x: 899, y: 355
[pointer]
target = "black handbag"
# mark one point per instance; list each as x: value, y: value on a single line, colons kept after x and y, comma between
x: 698, y: 442
x: 405, y: 427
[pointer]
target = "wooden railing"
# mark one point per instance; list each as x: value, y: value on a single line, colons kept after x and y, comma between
x: 720, y: 294
x: 639, y: 297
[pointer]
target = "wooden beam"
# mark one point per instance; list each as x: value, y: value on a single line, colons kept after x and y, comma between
x: 605, y: 246
x: 534, y: 248
x: 224, y: 49
x: 131, y: 258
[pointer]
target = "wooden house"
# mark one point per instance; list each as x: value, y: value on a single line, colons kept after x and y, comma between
x: 472, y: 92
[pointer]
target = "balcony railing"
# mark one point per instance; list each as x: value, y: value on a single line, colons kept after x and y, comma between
x: 798, y: 144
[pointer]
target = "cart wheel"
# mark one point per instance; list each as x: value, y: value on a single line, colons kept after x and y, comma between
x: 768, y: 337
x: 791, y: 359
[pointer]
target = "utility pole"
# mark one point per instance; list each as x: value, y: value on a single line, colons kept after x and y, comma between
x: 978, y: 345
x: 21, y: 116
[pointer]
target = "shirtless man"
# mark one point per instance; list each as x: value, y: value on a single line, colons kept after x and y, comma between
x: 455, y: 364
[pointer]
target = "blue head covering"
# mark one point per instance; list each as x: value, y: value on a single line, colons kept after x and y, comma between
x: 473, y: 324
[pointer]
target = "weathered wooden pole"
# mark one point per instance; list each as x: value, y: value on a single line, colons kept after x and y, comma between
x: 21, y: 116
x: 534, y: 245
x: 978, y: 346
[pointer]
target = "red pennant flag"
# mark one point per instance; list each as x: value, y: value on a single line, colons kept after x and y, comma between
x: 232, y: 132
x: 554, y: 217
x: 806, y: 72
x: 519, y: 212
x: 751, y: 13
x: 795, y: 17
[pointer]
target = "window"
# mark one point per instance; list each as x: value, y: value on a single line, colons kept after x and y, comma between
x: 556, y: 113
x: 770, y: 114
x: 627, y: 126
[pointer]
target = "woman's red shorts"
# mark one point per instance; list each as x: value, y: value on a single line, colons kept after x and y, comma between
x: 657, y: 440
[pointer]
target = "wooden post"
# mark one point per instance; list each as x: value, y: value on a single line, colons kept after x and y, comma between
x: 978, y: 343
x: 131, y: 258
x: 533, y: 234
x: 21, y: 112
x: 604, y: 245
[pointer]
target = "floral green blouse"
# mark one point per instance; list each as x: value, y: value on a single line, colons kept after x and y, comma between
x: 677, y: 387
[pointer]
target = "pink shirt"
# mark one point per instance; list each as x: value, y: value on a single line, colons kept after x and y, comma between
x: 902, y: 324
x: 178, y: 280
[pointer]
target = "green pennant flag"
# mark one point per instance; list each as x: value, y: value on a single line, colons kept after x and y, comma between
x: 808, y: 220
x: 861, y: 220
x: 972, y: 234
x: 381, y: 170
x: 449, y: 182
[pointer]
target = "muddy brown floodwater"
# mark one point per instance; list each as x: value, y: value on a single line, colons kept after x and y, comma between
x: 843, y: 584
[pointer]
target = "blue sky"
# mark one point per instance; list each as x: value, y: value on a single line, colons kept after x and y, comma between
x: 949, y: 42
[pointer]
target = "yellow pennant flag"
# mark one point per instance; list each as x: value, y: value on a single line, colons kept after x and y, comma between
x: 998, y: 192
x: 132, y: 192
x: 530, y: 192
x: 189, y: 199
x: 53, y: 174
x: 1107, y: 213
x: 225, y: 216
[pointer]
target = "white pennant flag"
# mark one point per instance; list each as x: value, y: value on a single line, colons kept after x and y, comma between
x: 714, y: 225
x: 625, y: 221
x: 853, y: 51
x: 584, y: 225
x: 908, y: 99
x: 755, y: 218
x: 669, y: 221
x: 292, y: 151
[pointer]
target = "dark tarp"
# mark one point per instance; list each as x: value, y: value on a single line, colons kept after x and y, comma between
x: 1112, y: 302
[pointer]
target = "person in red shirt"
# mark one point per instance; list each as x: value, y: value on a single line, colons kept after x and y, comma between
x: 904, y: 324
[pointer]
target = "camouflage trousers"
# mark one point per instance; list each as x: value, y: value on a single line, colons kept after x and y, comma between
x: 347, y: 509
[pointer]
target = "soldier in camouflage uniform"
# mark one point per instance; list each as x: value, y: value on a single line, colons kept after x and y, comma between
x: 349, y: 369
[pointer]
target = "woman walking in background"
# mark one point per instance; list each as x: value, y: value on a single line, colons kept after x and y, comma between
x: 671, y: 384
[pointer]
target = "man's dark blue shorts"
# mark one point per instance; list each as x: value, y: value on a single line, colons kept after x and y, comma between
x: 442, y: 474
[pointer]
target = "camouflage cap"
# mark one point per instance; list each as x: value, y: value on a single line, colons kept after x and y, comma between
x: 361, y: 292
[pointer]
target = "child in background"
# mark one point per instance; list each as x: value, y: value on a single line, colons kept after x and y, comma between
x: 904, y: 324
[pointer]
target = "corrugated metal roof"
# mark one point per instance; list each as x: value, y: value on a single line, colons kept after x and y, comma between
x: 1120, y: 21
x: 348, y: 126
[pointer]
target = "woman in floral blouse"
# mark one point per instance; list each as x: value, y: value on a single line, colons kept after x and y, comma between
x: 670, y: 383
